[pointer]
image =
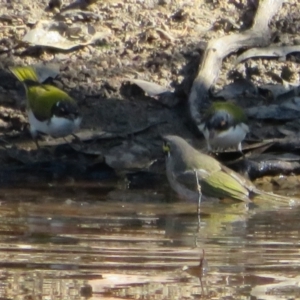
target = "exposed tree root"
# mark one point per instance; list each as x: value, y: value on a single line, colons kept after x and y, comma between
x: 258, y: 35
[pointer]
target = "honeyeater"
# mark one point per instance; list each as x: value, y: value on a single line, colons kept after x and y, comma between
x: 188, y: 170
x: 224, y: 125
x: 50, y: 110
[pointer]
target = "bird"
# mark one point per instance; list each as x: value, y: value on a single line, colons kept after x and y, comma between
x: 50, y: 110
x: 224, y: 125
x: 188, y: 170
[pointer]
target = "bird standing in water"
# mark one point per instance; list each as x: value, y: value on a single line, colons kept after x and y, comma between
x: 188, y: 169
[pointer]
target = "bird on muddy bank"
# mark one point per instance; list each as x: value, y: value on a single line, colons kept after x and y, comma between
x: 191, y: 172
x: 224, y: 125
x: 50, y: 110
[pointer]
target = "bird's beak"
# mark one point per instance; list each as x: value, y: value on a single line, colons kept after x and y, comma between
x: 166, y: 149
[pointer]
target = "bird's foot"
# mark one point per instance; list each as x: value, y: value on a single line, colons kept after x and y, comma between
x: 76, y: 138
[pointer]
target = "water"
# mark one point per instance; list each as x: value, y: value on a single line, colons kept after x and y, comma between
x: 87, y: 241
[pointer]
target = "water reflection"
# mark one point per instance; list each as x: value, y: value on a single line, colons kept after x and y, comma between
x: 93, y: 242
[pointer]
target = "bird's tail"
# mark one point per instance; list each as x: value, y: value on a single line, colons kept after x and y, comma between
x: 276, y: 199
x: 25, y: 74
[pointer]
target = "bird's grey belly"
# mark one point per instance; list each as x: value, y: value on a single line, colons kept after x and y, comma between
x: 185, y: 193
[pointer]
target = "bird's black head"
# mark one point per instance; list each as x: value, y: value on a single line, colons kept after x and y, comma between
x: 65, y: 109
x: 220, y: 121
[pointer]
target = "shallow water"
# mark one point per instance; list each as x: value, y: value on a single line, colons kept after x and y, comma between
x: 88, y: 241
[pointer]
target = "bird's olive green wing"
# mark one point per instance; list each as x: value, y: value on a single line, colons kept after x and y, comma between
x: 191, y: 160
x: 221, y: 185
x: 42, y: 98
x: 239, y: 178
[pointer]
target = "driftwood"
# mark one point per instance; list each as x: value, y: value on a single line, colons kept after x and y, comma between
x: 274, y: 51
x: 268, y: 164
x: 216, y: 50
x: 282, y: 158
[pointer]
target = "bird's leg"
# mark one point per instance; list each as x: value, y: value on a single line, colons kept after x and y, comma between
x: 35, y: 135
x: 209, y: 148
x: 67, y: 142
x: 37, y: 144
x: 239, y: 148
x: 43, y: 150
x: 77, y: 139
x: 35, y: 138
x: 199, y: 191
x: 199, y: 202
x: 202, y: 267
